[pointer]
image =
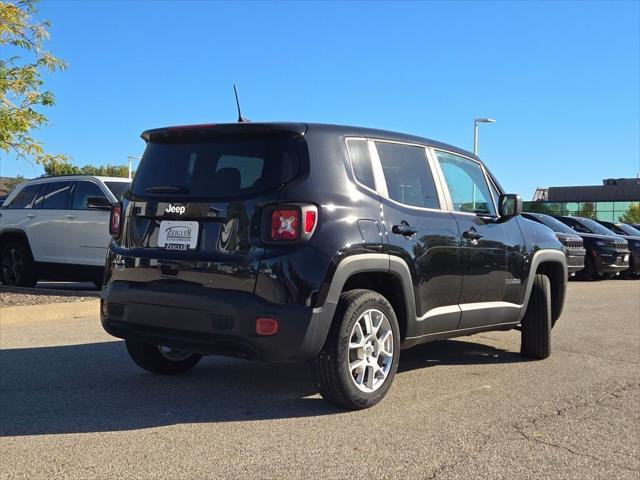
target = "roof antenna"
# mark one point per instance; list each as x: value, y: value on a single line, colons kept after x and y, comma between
x: 241, y: 119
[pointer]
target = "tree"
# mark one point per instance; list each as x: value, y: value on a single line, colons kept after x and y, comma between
x: 8, y: 184
x: 632, y: 214
x: 587, y: 211
x: 65, y: 168
x: 21, y: 83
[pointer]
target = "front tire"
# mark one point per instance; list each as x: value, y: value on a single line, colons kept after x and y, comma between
x: 589, y: 270
x: 536, y: 324
x: 18, y: 267
x: 358, y: 362
x: 161, y: 359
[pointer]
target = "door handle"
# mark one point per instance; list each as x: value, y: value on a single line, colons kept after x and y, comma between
x: 404, y: 229
x: 30, y: 215
x: 70, y: 216
x: 472, y: 235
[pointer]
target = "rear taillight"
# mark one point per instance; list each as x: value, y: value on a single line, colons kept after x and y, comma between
x: 115, y: 219
x: 285, y: 224
x: 291, y: 222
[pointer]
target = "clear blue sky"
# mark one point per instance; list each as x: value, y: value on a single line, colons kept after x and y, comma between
x: 562, y: 79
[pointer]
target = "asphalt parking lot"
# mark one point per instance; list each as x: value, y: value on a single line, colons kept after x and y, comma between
x: 72, y: 404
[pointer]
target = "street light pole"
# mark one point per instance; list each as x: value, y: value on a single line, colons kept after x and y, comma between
x: 476, y: 122
x: 131, y: 158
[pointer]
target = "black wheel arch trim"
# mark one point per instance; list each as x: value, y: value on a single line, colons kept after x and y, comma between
x: 349, y: 266
x: 17, y: 232
x: 540, y: 257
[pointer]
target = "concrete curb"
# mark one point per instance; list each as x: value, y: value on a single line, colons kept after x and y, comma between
x: 49, y: 291
x: 49, y: 312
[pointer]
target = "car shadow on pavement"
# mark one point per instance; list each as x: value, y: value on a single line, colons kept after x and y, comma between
x: 454, y: 352
x: 96, y: 388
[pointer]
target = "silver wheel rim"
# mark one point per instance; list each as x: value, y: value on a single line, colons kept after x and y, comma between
x: 370, y: 350
x: 173, y: 354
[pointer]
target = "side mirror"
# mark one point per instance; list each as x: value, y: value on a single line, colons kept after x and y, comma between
x: 98, y: 203
x: 509, y: 205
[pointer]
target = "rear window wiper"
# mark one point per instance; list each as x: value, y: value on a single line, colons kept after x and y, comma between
x: 167, y: 189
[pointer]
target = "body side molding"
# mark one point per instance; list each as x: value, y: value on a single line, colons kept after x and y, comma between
x: 465, y: 307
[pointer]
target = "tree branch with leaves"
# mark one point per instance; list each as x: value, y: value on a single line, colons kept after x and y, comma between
x: 21, y: 81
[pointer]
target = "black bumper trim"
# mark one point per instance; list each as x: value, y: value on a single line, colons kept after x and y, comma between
x: 212, y: 321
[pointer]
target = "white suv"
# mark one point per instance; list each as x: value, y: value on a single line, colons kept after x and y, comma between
x: 57, y: 228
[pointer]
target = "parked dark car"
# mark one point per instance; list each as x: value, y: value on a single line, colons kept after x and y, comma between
x: 573, y: 244
x: 338, y: 245
x: 607, y: 253
x: 632, y: 236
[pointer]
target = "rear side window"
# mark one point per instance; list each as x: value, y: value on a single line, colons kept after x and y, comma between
x: 408, y: 175
x: 82, y: 192
x: 216, y: 168
x: 25, y: 197
x: 117, y: 188
x: 56, y: 196
x: 361, y: 162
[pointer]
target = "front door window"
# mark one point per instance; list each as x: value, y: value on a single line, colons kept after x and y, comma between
x: 467, y: 184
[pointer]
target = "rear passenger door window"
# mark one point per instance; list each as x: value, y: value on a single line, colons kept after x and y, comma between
x: 407, y: 174
x: 82, y: 192
x: 57, y: 196
x: 25, y: 198
x: 467, y: 184
x: 361, y: 162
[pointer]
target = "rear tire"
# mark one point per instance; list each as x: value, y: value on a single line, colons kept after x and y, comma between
x: 159, y: 359
x: 18, y: 267
x: 536, y: 324
x: 358, y: 362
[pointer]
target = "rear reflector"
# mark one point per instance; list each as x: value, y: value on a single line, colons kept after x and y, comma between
x: 266, y: 326
x: 284, y: 224
x: 309, y: 221
x: 115, y: 219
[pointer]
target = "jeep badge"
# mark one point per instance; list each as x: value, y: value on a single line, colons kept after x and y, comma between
x: 179, y: 209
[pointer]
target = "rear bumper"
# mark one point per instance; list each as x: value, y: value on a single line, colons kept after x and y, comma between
x: 211, y: 321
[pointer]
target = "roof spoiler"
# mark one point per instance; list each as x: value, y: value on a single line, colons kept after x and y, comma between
x: 224, y: 129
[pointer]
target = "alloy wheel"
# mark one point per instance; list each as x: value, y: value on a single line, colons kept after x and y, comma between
x: 370, y: 350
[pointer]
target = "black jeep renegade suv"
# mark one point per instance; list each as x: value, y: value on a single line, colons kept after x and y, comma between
x: 338, y: 245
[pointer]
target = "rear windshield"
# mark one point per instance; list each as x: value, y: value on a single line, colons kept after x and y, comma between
x: 215, y: 168
x: 117, y: 188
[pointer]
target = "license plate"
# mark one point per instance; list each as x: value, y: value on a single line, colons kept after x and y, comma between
x: 626, y: 258
x: 177, y: 235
